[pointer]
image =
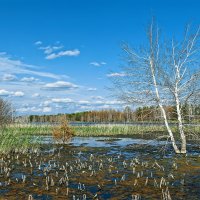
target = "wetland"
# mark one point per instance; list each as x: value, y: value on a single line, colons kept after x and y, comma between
x: 101, y: 168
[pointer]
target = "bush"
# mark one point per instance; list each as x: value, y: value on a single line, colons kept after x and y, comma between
x: 63, y: 132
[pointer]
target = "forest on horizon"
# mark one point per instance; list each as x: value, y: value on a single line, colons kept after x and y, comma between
x: 147, y: 113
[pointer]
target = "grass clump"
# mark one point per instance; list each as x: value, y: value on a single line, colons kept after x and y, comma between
x: 14, y: 140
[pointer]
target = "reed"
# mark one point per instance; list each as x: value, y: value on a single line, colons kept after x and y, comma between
x: 116, y: 130
x: 14, y: 139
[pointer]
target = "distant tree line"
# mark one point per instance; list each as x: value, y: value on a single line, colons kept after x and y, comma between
x: 149, y: 113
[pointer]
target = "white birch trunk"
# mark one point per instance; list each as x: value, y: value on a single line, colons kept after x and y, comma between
x: 163, y: 110
x: 180, y: 123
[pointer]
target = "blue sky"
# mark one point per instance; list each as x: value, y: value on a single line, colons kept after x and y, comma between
x: 56, y: 56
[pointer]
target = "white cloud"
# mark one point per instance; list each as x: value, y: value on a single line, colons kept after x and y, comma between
x: 74, y: 52
x: 60, y: 85
x: 22, y: 110
x: 55, y: 105
x: 8, y: 65
x: 29, y: 79
x: 9, y: 77
x: 44, y: 74
x: 36, y: 95
x: 10, y: 93
x: 46, y: 103
x: 33, y: 109
x: 95, y: 64
x: 62, y: 100
x: 27, y: 86
x: 99, y: 102
x: 4, y: 92
x: 97, y: 97
x: 52, y: 52
x: 83, y: 102
x: 113, y: 102
x: 38, y: 43
x: 98, y: 64
x: 86, y: 108
x: 92, y: 89
x: 47, y: 109
x: 18, y: 94
x: 116, y: 74
x: 50, y: 49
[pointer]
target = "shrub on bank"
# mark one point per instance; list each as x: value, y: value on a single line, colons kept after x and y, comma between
x: 63, y: 132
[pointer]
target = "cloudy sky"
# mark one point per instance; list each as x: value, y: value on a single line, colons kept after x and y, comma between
x: 56, y: 56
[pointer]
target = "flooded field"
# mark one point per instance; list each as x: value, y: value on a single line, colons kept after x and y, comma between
x: 101, y: 168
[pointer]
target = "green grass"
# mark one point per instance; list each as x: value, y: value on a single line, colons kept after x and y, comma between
x: 114, y: 130
x: 94, y: 130
x: 25, y: 129
x: 17, y: 139
x: 100, y: 130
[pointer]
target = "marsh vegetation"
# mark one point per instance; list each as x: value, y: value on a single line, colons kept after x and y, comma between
x: 128, y: 162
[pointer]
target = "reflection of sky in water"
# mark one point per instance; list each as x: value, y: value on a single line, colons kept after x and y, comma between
x: 98, y: 142
x: 104, y: 141
x: 116, y: 143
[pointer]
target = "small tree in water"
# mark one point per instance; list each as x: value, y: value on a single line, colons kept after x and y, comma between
x: 63, y: 132
x: 162, y: 74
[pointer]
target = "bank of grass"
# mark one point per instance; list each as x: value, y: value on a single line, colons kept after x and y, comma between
x: 86, y: 131
x: 101, y: 130
x: 20, y: 137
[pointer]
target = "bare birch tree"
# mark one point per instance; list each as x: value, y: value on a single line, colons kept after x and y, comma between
x: 161, y: 74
